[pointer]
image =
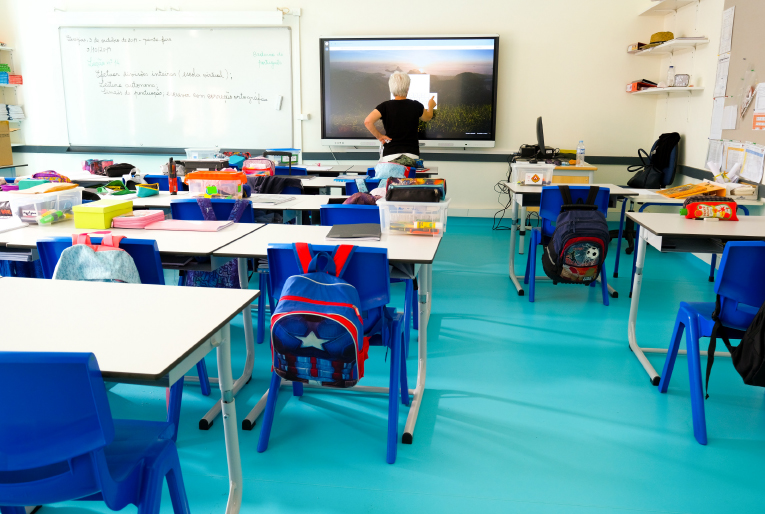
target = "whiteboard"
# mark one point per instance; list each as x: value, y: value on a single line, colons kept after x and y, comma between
x: 178, y: 87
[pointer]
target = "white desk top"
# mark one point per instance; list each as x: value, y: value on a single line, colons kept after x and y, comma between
x: 146, y: 348
x: 314, y: 202
x: 300, y: 203
x: 168, y: 241
x: 614, y: 190
x: 670, y: 224
x: 401, y: 248
x: 650, y: 196
x: 317, y: 182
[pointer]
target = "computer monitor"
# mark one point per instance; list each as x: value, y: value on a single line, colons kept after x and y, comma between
x: 545, y: 152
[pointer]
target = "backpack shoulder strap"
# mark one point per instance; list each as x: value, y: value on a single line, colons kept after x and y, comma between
x: 342, y: 257
x: 205, y: 205
x: 592, y: 195
x: 303, y: 255
x: 566, y: 194
x: 717, y: 329
x: 238, y: 210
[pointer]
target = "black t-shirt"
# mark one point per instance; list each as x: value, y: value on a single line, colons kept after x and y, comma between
x: 400, y: 119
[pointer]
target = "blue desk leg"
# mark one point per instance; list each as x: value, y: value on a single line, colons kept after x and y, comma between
x: 619, y: 242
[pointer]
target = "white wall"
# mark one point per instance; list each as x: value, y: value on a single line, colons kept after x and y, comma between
x: 562, y: 59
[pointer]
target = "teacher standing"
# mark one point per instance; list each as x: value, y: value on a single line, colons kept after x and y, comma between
x: 400, y: 118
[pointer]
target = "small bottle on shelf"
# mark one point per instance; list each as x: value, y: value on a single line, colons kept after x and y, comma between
x: 671, y: 76
x: 580, y: 154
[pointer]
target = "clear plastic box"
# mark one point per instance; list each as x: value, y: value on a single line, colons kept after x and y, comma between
x: 414, y: 218
x: 30, y: 207
x: 202, y: 153
x: 216, y: 184
x: 544, y: 173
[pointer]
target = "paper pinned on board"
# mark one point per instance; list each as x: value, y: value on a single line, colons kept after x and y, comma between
x: 730, y: 117
x: 734, y: 154
x: 726, y: 35
x: 759, y: 99
x: 715, y: 132
x: 714, y: 153
x: 721, y: 80
x: 754, y: 163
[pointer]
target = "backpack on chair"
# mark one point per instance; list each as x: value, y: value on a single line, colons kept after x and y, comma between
x: 578, y: 246
x: 317, y: 333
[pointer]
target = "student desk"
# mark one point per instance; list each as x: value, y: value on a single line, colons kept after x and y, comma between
x: 363, y: 168
x: 401, y: 248
x: 170, y: 243
x: 649, y: 197
x: 525, y: 196
x: 312, y: 184
x: 675, y: 233
x: 152, y: 352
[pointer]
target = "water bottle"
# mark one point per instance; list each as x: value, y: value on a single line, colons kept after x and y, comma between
x: 671, y: 76
x: 580, y: 154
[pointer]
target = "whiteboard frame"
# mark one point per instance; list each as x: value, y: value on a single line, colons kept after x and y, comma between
x: 198, y: 19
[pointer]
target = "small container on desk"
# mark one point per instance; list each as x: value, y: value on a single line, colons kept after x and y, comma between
x: 415, y: 218
x: 202, y: 153
x: 30, y: 208
x: 216, y: 184
x: 99, y: 215
x: 539, y: 174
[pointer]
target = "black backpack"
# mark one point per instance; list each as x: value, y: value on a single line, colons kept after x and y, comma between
x: 749, y: 356
x: 578, y: 246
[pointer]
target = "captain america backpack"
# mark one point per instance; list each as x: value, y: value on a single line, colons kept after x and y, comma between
x: 317, y: 333
x: 578, y: 246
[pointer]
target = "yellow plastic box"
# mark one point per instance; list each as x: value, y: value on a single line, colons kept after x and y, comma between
x: 99, y: 214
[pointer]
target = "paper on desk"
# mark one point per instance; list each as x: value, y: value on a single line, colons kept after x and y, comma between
x: 12, y: 223
x: 721, y: 81
x: 734, y: 154
x: 714, y: 153
x: 715, y: 132
x: 759, y: 100
x: 754, y: 163
x: 318, y: 168
x: 726, y: 35
x: 730, y: 117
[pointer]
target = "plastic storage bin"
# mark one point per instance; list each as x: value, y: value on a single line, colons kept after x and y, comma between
x: 99, y: 214
x: 415, y: 218
x: 202, y: 153
x: 216, y: 184
x: 30, y: 207
x: 544, y: 172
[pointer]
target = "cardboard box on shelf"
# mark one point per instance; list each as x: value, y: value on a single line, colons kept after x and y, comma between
x: 6, y: 154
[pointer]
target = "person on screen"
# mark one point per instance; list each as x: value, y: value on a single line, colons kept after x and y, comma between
x: 400, y: 118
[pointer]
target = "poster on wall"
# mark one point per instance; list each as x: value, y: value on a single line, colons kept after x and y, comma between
x: 754, y: 163
x: 726, y: 35
x: 714, y: 153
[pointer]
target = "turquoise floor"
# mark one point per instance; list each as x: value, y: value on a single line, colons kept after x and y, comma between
x: 534, y: 408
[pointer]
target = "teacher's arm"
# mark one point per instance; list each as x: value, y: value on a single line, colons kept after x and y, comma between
x: 369, y: 123
x: 427, y: 115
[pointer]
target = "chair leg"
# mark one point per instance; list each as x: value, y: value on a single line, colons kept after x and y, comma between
x: 415, y: 306
x: 531, y: 268
x: 634, y: 260
x: 204, y: 379
x: 619, y: 241
x: 261, y: 308
x: 177, y: 489
x: 674, y: 346
x: 407, y: 315
x: 297, y: 388
x: 268, y: 413
x: 712, y: 268
x: 393, y: 405
x: 694, y: 375
x: 526, y: 276
x: 404, y: 382
x: 164, y: 466
x: 271, y: 300
x: 604, y: 285
x: 174, y: 405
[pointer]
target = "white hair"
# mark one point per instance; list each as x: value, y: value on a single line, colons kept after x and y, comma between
x: 399, y: 84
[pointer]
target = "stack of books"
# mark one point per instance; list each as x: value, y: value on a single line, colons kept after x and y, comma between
x: 138, y: 219
x: 15, y: 112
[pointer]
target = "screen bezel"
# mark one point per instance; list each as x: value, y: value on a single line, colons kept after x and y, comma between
x: 451, y: 142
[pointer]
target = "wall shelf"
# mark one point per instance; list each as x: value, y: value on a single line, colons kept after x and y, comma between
x: 6, y: 48
x: 665, y: 7
x: 671, y: 47
x: 667, y: 90
x: 10, y: 85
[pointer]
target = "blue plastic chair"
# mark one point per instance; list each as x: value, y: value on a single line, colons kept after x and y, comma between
x: 550, y: 203
x: 59, y: 441
x: 368, y: 272
x: 162, y: 180
x: 286, y: 170
x: 145, y: 254
x: 352, y: 188
x: 741, y: 295
x: 347, y: 214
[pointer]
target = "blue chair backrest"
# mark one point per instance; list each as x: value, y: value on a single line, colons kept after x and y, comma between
x: 348, y: 214
x: 143, y: 251
x: 552, y: 200
x: 292, y: 191
x: 367, y: 271
x: 285, y: 170
x: 351, y: 187
x: 57, y: 415
x: 162, y: 180
x: 741, y: 281
x: 671, y: 169
x: 188, y: 209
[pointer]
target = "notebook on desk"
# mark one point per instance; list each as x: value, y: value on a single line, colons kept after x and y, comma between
x: 194, y: 226
x: 272, y: 199
x: 355, y: 232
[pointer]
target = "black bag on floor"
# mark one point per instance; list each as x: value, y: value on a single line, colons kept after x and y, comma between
x: 749, y: 356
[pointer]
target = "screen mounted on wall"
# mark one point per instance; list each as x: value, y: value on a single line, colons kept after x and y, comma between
x: 459, y: 71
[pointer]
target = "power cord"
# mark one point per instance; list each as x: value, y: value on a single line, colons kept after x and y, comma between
x: 333, y: 155
x: 502, y: 189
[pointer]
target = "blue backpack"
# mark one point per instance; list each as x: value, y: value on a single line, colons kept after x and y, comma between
x: 578, y: 246
x: 317, y: 333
